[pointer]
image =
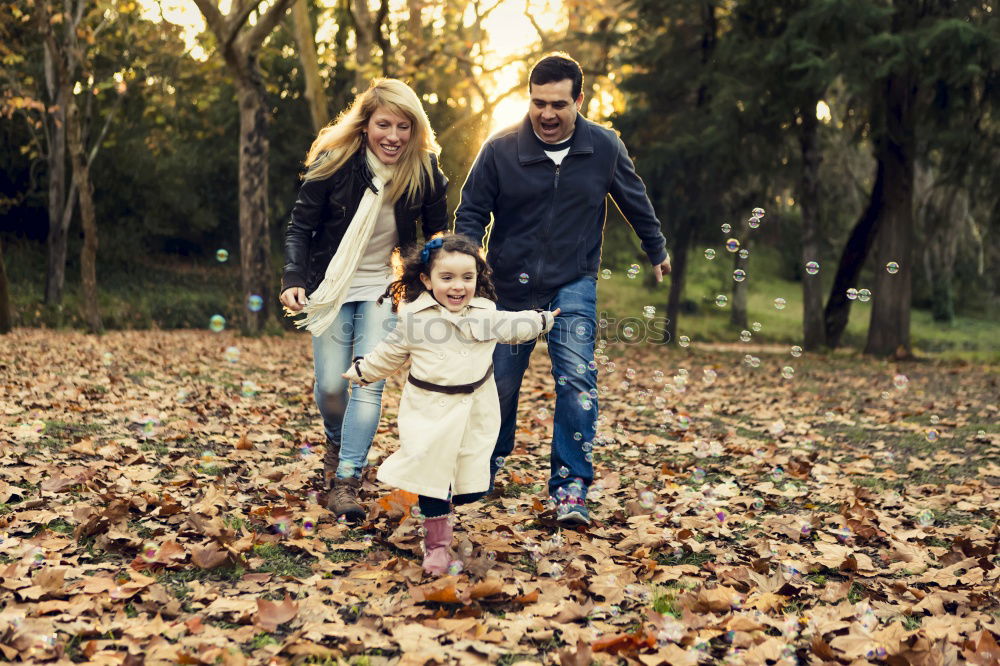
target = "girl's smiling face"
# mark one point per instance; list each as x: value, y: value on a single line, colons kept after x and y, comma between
x: 452, y: 281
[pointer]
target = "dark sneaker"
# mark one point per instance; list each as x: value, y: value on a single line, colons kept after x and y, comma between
x: 572, y: 515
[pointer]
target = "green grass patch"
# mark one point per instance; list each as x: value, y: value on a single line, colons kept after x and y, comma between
x: 281, y: 561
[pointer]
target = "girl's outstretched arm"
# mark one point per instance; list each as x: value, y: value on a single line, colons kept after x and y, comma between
x: 523, y: 325
x: 384, y: 360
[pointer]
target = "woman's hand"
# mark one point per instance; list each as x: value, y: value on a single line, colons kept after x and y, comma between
x: 349, y: 376
x: 293, y: 298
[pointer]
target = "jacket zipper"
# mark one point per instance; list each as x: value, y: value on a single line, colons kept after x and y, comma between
x: 545, y: 235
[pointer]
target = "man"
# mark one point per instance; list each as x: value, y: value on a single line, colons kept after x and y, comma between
x: 545, y: 182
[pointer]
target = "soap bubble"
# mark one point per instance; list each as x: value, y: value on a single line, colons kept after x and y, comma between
x: 777, y: 474
x: 935, y: 418
x: 588, y: 456
x: 864, y: 295
x: 635, y: 268
x: 628, y: 332
x: 796, y: 351
x: 710, y: 254
x: 683, y: 422
x: 757, y: 212
x: 721, y: 300
x: 523, y: 278
x: 852, y: 294
x: 149, y: 551
x: 543, y: 414
x: 756, y: 326
x: 758, y: 504
x: 925, y: 518
x: 217, y: 323
x: 743, y: 253
x: 221, y: 255
x: 788, y: 372
x: 812, y: 267
x: 255, y: 303
x: 499, y: 462
x: 563, y: 471
x: 248, y: 389
x: 753, y: 222
x: 732, y: 245
x: 647, y: 499
x: 892, y: 268
x: 745, y: 336
x: 454, y: 568
x: 901, y: 382
x: 308, y: 526
x: 149, y: 426
x: 726, y: 228
x: 779, y: 304
x: 684, y: 341
x: 562, y: 380
x: 107, y: 358
x: 630, y: 373
x: 932, y: 435
x: 232, y: 354
x: 739, y: 275
x: 698, y: 475
x: 708, y: 376
x: 580, y: 368
x: 606, y: 274
x: 648, y: 311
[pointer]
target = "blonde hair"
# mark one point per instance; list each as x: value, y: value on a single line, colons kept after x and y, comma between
x: 341, y: 139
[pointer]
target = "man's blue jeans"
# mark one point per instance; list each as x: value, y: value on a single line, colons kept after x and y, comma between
x: 571, y: 348
x: 350, y: 418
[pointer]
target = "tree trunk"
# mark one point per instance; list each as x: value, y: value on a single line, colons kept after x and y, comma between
x: 88, y: 220
x: 255, y: 241
x: 60, y: 206
x: 678, y: 267
x: 738, y: 313
x: 889, y: 330
x: 363, y: 42
x: 6, y: 316
x: 813, y: 330
x: 305, y: 39
x: 852, y: 259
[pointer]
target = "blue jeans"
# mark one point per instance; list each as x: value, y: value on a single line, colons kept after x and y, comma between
x: 350, y: 417
x: 571, y: 349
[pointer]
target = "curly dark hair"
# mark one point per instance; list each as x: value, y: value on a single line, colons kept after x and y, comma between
x: 408, y: 286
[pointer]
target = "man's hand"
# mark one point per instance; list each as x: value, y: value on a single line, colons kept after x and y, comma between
x: 659, y: 270
x: 293, y: 298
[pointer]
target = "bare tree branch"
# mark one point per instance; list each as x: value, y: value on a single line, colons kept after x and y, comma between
x: 266, y: 24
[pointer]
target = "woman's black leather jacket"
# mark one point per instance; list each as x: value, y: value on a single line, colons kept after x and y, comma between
x: 325, y: 208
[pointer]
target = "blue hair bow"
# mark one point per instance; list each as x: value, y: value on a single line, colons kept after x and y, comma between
x: 432, y: 244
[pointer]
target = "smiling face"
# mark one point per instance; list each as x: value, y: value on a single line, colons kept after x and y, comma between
x: 553, y: 110
x: 452, y: 281
x: 388, y: 134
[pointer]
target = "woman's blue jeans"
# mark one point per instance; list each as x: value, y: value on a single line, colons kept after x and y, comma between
x: 571, y: 349
x: 350, y: 414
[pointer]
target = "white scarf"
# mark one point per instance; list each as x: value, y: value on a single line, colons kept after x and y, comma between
x: 323, y: 304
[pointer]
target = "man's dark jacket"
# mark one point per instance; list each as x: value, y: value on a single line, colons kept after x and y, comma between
x: 324, y: 209
x: 548, y: 220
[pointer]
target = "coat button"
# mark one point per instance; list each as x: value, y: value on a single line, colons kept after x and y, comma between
x: 465, y: 401
x: 441, y: 402
x: 440, y: 354
x: 465, y: 352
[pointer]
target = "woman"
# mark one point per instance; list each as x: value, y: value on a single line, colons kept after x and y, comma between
x: 371, y: 175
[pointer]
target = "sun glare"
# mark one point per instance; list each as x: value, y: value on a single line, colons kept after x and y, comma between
x: 511, y: 38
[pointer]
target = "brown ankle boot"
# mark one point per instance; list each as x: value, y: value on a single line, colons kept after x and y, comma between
x: 331, y: 460
x: 343, y: 499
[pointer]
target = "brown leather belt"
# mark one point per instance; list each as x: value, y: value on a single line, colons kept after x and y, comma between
x: 457, y: 388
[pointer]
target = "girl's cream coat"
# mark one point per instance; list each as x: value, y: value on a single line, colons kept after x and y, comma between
x: 446, y: 440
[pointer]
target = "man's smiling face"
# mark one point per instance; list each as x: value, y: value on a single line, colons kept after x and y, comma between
x: 553, y: 110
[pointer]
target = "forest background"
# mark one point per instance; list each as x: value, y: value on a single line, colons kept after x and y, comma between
x: 141, y: 138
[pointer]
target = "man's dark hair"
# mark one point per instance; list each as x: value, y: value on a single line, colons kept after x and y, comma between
x: 557, y: 67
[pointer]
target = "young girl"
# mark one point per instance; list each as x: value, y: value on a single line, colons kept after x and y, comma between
x: 449, y: 414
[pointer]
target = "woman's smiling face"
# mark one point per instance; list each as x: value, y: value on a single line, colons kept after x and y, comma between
x: 388, y: 134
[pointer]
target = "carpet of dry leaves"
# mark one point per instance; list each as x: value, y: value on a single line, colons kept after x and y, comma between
x: 161, y: 500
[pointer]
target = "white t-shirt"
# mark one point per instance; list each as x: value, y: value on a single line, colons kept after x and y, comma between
x: 557, y: 155
x: 375, y: 270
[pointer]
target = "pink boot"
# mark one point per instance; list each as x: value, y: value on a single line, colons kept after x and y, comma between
x: 437, y: 553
